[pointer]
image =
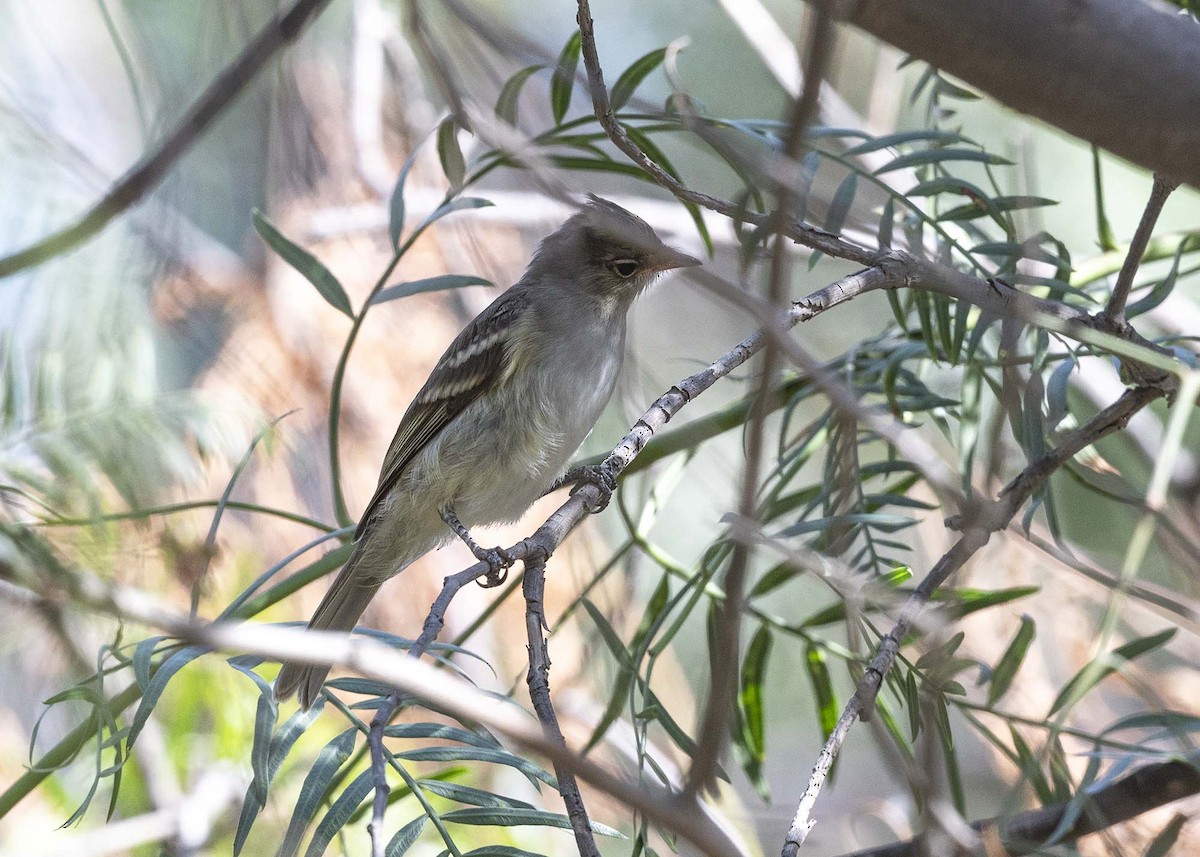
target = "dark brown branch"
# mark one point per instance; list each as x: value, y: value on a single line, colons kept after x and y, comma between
x: 538, y: 679
x: 1145, y: 789
x: 1114, y: 312
x: 142, y: 178
x: 1118, y: 74
x: 714, y: 727
x: 977, y: 531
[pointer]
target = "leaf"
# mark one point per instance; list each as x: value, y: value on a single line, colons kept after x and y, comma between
x: 886, y: 221
x: 450, y: 154
x: 405, y: 837
x: 1089, y: 677
x: 517, y: 816
x: 396, y: 204
x: 469, y: 795
x: 563, y: 81
x: 441, y: 732
x: 1011, y: 660
x: 479, y: 754
x: 1161, y: 289
x: 839, y: 207
x: 506, y: 104
x: 823, y: 695
x: 1165, y: 840
x: 988, y: 206
x: 633, y: 76
x: 940, y: 156
x: 754, y: 668
x: 158, y: 683
x: 429, y: 284
x: 461, y: 203
x: 339, y: 812
x: 306, y: 264
x: 889, y: 140
x: 331, y: 758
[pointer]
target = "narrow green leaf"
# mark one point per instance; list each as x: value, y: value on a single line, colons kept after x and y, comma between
x: 823, y: 695
x: 633, y: 76
x: 405, y: 837
x: 941, y: 156
x: 469, y: 795
x: 506, y: 104
x: 1011, y: 660
x: 339, y: 812
x: 479, y: 754
x: 1104, y: 231
x: 260, y: 751
x: 1165, y: 840
x: 563, y: 81
x: 517, y: 816
x: 461, y: 203
x: 931, y: 135
x: 439, y: 283
x: 143, y: 654
x: 441, y: 732
x: 501, y: 851
x: 1161, y: 289
x: 839, y: 206
x: 1088, y: 677
x: 305, y: 263
x: 985, y: 207
x: 158, y: 683
x: 754, y: 668
x: 396, y: 204
x: 886, y: 221
x: 450, y: 154
x: 329, y: 761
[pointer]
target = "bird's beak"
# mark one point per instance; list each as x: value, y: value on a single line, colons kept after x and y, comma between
x: 669, y: 259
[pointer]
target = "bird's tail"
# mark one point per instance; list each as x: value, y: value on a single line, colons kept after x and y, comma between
x: 339, y: 610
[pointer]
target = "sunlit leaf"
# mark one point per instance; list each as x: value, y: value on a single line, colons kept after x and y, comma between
x: 633, y: 76
x: 1011, y: 660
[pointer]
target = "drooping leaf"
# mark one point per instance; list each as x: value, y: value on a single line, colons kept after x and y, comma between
x: 405, y: 837
x: 941, y: 156
x: 450, y: 154
x: 304, y: 263
x: 312, y: 792
x: 158, y: 683
x: 517, y: 816
x: 506, y: 104
x: 1011, y: 660
x: 754, y: 669
x: 633, y: 76
x: 823, y: 695
x: 563, y: 81
x: 1089, y: 676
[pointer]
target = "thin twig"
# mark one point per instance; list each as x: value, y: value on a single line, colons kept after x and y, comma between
x: 1145, y: 789
x: 538, y: 679
x: 142, y: 178
x: 986, y: 520
x: 1114, y: 312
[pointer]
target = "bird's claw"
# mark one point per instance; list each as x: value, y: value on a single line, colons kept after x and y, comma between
x: 499, y: 561
x: 597, y: 475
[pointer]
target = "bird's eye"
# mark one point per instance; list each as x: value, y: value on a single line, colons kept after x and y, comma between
x: 624, y: 268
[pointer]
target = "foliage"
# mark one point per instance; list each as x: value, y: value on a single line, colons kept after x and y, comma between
x: 836, y: 501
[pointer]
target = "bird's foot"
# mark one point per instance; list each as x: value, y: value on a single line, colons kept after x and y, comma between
x: 591, y: 474
x: 498, y: 560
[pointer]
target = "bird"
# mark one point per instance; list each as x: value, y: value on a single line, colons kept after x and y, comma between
x: 502, y: 413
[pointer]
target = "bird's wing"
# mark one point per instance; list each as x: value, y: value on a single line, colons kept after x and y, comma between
x: 479, y: 358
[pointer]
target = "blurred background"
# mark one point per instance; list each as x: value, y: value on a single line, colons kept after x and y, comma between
x: 138, y: 369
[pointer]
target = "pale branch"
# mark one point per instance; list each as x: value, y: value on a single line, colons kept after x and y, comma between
x: 280, y: 31
x: 1113, y: 315
x: 538, y: 680
x: 375, y: 660
x: 1147, y: 788
x: 1117, y: 74
x: 977, y: 531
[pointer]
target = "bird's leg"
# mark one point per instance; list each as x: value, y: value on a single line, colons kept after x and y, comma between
x: 590, y: 474
x: 497, y: 559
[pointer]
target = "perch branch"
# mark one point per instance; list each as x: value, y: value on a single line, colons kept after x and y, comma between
x: 1114, y: 312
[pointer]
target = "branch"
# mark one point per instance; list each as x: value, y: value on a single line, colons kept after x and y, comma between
x: 977, y: 532
x: 1117, y: 74
x: 1145, y: 789
x: 1114, y: 313
x: 538, y: 679
x: 723, y: 669
x: 282, y: 30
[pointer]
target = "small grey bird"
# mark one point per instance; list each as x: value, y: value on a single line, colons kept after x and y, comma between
x: 502, y: 413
